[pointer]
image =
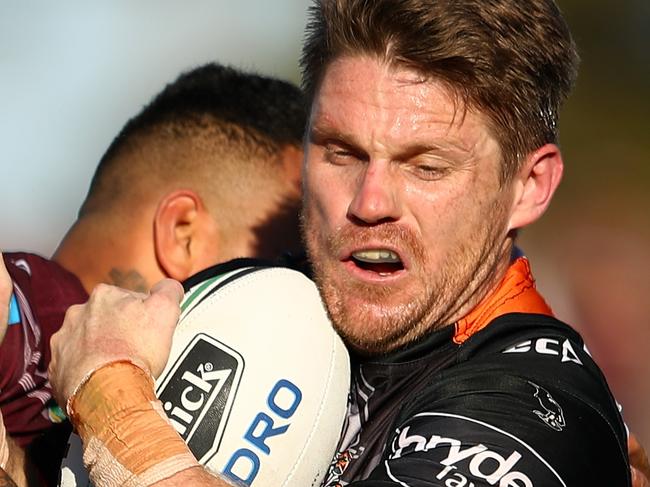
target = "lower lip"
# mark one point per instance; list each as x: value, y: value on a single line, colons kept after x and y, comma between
x: 370, y: 276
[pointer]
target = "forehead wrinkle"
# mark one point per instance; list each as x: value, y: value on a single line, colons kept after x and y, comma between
x: 424, y: 98
x: 401, y: 106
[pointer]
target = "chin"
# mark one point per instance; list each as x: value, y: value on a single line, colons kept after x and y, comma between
x: 371, y: 328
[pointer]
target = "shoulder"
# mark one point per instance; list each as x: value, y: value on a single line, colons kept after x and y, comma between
x: 521, y: 348
x: 37, y: 276
x: 523, y: 405
x: 42, y: 293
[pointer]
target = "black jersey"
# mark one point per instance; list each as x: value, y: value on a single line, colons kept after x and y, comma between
x: 517, y: 402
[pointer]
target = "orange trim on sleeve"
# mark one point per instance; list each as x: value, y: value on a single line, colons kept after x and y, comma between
x: 515, y: 294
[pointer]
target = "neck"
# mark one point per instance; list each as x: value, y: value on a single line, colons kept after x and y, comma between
x: 98, y: 252
x: 486, y: 278
x: 515, y: 293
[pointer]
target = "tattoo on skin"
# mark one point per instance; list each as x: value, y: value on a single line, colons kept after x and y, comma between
x: 129, y: 279
x: 5, y: 480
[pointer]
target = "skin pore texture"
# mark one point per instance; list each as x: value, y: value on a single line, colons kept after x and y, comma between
x: 405, y: 218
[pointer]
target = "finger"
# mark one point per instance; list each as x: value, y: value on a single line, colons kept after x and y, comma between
x: 72, y: 313
x: 164, y: 301
x: 638, y: 479
x: 638, y: 457
x: 52, y: 369
x: 6, y: 289
x: 4, y: 275
x: 68, y: 326
x: 163, y: 304
x: 169, y: 288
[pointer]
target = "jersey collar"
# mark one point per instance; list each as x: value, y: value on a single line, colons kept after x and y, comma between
x: 516, y: 293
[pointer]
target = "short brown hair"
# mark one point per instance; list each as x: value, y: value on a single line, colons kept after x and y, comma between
x: 513, y: 60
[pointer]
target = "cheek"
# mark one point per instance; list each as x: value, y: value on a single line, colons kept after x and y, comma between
x: 450, y: 216
x: 326, y: 200
x: 437, y: 210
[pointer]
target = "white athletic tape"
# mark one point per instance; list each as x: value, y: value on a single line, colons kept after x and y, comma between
x: 128, y: 441
x: 253, y: 354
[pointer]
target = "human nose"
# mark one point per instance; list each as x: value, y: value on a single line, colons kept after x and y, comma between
x: 376, y: 196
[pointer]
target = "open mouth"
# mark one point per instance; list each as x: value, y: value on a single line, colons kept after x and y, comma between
x: 381, y: 261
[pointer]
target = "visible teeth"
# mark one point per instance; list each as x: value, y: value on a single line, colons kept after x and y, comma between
x: 377, y: 256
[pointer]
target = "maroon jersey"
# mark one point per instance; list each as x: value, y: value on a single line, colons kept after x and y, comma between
x: 42, y: 293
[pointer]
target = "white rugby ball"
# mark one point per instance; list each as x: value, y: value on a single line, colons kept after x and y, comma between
x: 257, y: 380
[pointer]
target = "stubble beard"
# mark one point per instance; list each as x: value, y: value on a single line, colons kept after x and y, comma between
x: 378, y: 325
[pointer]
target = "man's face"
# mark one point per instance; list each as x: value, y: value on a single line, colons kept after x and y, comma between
x: 405, y: 219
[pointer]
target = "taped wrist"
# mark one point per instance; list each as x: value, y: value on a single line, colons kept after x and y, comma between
x: 128, y: 440
x: 4, y: 445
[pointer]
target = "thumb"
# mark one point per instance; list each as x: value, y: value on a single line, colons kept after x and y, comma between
x: 168, y: 289
x: 164, y: 300
x: 638, y: 479
x: 638, y: 459
x: 6, y: 289
x: 163, y: 303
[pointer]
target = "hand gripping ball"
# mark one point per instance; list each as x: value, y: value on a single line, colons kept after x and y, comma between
x: 257, y: 380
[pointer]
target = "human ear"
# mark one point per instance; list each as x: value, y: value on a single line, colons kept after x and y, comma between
x: 181, y: 226
x: 535, y: 185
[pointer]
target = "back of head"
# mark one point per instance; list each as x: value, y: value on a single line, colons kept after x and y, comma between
x: 221, y: 133
x: 512, y: 60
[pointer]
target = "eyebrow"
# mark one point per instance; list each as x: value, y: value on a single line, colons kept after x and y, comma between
x: 323, y: 135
